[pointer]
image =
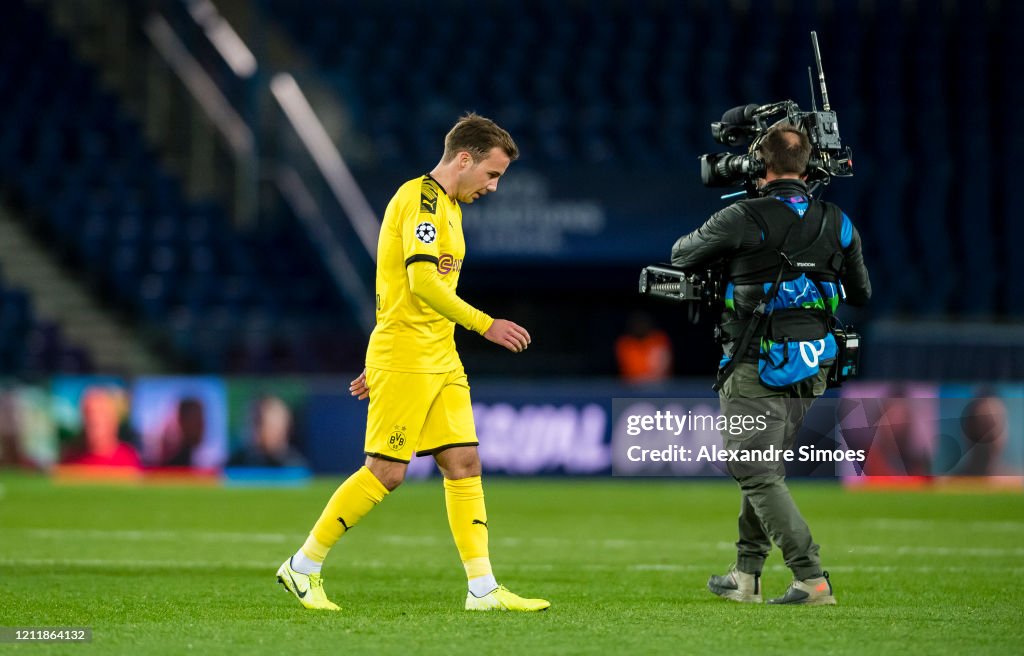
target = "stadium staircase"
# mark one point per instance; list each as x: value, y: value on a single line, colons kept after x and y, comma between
x: 59, y: 296
x: 83, y: 174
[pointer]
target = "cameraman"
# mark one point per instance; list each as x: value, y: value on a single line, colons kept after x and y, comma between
x: 813, y: 248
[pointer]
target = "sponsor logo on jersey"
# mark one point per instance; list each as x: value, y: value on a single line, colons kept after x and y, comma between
x: 447, y: 263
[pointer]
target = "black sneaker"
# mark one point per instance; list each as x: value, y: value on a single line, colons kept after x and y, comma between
x: 737, y: 586
x: 809, y: 592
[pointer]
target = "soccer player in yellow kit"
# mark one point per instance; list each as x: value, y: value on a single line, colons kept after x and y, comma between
x: 419, y: 395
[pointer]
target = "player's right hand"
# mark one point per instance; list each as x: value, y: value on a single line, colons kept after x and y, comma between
x: 358, y: 387
x: 508, y: 334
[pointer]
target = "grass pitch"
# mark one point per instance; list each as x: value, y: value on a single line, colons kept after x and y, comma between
x: 157, y: 570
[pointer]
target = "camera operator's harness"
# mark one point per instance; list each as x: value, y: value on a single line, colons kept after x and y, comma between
x: 821, y: 257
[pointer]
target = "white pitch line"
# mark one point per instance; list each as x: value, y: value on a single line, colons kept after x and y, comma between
x: 981, y: 552
x: 58, y: 563
x: 852, y: 569
x: 553, y: 543
x: 875, y: 549
x: 146, y: 535
x: 268, y: 566
x: 920, y: 524
x: 204, y: 565
x: 159, y: 535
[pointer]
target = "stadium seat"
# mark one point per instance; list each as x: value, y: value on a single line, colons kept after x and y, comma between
x: 83, y: 171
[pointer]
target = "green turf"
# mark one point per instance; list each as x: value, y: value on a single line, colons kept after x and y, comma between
x: 170, y: 570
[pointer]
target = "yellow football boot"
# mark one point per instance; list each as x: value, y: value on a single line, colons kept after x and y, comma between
x: 308, y: 589
x: 501, y: 598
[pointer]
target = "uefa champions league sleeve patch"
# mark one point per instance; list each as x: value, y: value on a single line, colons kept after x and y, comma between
x: 426, y: 232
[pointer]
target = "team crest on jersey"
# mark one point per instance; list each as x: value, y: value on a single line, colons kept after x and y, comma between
x: 426, y: 232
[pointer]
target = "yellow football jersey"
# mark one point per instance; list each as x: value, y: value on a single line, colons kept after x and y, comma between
x: 421, y: 224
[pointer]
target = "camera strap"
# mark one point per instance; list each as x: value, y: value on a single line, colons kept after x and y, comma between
x: 741, y: 345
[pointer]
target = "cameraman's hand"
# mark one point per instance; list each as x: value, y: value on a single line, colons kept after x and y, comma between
x: 508, y: 334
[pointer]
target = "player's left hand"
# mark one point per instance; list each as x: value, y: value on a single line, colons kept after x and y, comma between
x: 359, y: 388
x: 508, y: 334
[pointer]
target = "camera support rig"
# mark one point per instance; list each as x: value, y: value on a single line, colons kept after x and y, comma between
x: 673, y: 284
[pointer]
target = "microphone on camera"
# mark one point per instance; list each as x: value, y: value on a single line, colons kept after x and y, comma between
x: 741, y: 115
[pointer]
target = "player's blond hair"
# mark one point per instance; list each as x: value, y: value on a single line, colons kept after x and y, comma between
x: 478, y: 136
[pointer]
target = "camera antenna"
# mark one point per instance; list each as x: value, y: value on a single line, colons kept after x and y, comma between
x: 810, y: 78
x: 821, y: 73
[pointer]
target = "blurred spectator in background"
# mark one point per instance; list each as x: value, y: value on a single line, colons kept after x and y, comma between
x: 644, y: 353
x: 100, y: 443
x: 985, y: 427
x: 269, y: 444
x: 183, y: 438
x: 11, y: 453
x: 898, y: 446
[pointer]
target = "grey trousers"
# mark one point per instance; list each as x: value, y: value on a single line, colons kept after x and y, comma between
x: 767, y: 510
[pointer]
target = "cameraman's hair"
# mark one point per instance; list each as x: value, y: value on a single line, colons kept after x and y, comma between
x: 785, y: 149
x: 477, y: 136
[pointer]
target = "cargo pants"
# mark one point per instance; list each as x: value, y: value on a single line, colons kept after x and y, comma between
x: 767, y: 511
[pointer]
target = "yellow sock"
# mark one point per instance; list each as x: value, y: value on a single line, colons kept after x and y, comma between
x: 349, y: 503
x: 467, y: 517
